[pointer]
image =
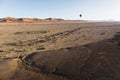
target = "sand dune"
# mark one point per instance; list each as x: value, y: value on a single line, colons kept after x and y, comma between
x: 36, y: 20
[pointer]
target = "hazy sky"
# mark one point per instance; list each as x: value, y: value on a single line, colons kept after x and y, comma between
x: 67, y: 9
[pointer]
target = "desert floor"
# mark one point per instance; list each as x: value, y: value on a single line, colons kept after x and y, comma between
x: 22, y: 39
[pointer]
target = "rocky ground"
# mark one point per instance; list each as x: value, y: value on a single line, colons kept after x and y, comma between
x: 60, y: 51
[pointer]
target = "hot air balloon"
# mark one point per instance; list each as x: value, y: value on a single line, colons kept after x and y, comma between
x: 80, y: 15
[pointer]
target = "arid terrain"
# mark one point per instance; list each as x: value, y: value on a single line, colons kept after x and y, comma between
x: 70, y: 50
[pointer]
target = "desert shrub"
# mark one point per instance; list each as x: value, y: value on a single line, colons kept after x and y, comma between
x: 41, y: 48
x: 12, y: 44
x: 102, y: 33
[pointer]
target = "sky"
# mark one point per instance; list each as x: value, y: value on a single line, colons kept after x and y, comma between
x: 66, y: 9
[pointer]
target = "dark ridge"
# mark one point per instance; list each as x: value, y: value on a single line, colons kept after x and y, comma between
x: 95, y: 61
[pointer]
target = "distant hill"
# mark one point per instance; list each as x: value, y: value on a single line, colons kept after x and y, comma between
x: 27, y: 20
x: 34, y: 20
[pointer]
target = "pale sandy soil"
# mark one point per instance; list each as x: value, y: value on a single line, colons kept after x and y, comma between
x: 8, y: 69
x: 23, y: 39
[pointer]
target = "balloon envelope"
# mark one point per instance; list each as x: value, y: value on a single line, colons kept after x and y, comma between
x: 80, y: 15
